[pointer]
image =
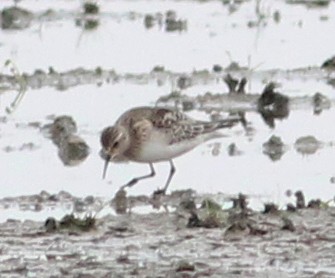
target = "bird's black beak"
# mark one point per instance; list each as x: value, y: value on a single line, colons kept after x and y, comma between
x: 108, y: 158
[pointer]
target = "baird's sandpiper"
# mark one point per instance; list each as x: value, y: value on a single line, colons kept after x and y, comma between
x: 152, y: 134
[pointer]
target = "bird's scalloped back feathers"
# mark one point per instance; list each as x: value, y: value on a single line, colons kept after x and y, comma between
x: 163, y: 117
x: 191, y: 131
x: 160, y: 117
x: 177, y: 124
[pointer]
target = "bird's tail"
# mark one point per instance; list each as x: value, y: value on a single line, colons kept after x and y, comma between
x: 192, y: 130
x: 208, y: 127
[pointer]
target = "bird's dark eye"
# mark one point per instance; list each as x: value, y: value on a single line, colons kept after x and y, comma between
x: 116, y: 144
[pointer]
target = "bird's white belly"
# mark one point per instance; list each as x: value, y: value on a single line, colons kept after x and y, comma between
x: 155, y: 151
x: 158, y: 149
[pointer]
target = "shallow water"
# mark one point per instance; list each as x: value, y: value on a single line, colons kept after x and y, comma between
x: 213, y: 36
x: 252, y: 172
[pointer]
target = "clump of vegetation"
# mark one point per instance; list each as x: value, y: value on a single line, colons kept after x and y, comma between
x: 262, y: 15
x: 169, y: 21
x: 98, y: 71
x: 184, y: 265
x: 149, y: 21
x: 91, y: 8
x: 87, y: 23
x: 15, y: 18
x: 274, y: 148
x: 70, y: 223
x: 89, y: 20
x: 310, y: 3
x: 217, y: 68
x: 209, y: 215
x: 272, y: 104
x: 276, y: 16
x: 158, y: 68
x: 235, y: 86
x: 329, y: 64
x: 301, y: 203
x: 22, y: 86
x: 91, y: 24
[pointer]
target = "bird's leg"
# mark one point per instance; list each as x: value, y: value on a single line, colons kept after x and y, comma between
x: 172, y: 172
x: 136, y: 180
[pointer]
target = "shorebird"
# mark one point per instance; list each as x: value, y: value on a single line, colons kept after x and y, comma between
x: 152, y: 134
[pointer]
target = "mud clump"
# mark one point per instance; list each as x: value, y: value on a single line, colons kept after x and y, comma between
x: 233, y: 150
x: 168, y: 21
x: 150, y: 21
x: 274, y: 148
x: 90, y: 8
x: 184, y: 82
x: 173, y: 23
x: 270, y: 208
x: 307, y: 145
x: 184, y: 265
x: 315, y: 204
x: 300, y: 200
x: 288, y: 225
x: 272, y: 105
x: 241, y: 202
x: 234, y: 66
x: 87, y: 23
x: 24, y: 147
x: 329, y: 64
x: 120, y: 202
x: 310, y: 3
x: 72, y: 149
x: 15, y: 18
x: 70, y: 223
x: 240, y: 222
x: 217, y: 68
x: 320, y: 102
x: 235, y: 86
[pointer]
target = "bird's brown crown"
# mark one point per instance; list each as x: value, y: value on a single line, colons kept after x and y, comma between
x: 108, y: 136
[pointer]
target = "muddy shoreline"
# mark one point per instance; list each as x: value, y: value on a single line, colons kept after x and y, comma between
x: 159, y: 76
x: 162, y: 244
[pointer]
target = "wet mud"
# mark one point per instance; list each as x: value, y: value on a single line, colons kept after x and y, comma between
x: 197, y: 238
x: 158, y: 75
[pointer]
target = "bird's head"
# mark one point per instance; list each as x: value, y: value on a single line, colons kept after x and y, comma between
x: 114, y: 141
